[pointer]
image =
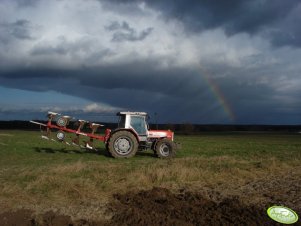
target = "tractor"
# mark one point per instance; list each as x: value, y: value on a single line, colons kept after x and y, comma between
x: 131, y: 135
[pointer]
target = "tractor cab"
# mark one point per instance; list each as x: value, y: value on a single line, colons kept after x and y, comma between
x: 135, y: 121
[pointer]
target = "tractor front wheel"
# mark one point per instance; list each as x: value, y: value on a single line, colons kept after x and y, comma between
x: 165, y: 148
x: 122, y: 144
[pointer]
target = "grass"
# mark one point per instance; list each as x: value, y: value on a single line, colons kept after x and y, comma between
x: 243, y: 145
x: 36, y: 172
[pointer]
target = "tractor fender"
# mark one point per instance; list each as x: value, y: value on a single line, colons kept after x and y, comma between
x: 123, y: 129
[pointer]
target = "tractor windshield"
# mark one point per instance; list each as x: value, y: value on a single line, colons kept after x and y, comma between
x: 138, y: 124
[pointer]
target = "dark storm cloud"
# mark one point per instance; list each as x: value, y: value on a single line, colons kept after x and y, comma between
x: 235, y: 15
x: 170, y: 92
x: 123, y: 32
x: 288, y: 31
x: 124, y: 86
x: 142, y: 76
x: 120, y: 86
x: 271, y: 18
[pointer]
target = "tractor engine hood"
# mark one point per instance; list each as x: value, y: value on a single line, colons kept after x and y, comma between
x: 161, y: 134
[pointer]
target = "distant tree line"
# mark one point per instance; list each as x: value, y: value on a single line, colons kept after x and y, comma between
x: 185, y: 128
x: 190, y: 129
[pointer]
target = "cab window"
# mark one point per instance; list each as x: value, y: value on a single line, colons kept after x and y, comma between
x: 138, y: 124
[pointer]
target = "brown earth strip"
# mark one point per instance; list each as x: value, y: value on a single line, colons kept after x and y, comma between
x: 158, y: 206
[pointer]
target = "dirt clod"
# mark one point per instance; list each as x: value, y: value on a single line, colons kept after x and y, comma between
x: 20, y: 217
x: 27, y: 218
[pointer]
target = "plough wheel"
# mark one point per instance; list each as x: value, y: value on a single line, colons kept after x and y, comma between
x: 123, y: 144
x: 60, y: 135
x: 61, y: 121
x: 165, y: 148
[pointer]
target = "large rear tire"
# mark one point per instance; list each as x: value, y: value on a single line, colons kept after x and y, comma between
x: 123, y: 144
x: 165, y: 148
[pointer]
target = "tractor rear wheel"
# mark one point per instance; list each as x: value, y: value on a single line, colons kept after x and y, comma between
x: 123, y: 144
x: 165, y: 148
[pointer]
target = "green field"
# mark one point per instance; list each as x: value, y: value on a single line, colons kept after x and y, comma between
x: 41, y: 174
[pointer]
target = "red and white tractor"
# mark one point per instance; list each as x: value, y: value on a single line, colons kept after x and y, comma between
x: 131, y: 135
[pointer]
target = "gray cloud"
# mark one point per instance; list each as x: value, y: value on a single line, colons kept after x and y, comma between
x: 20, y: 29
x: 74, y: 49
x: 120, y: 26
x: 61, y: 50
x: 26, y: 3
x: 61, y: 47
x: 123, y: 7
x: 123, y: 32
x: 121, y: 36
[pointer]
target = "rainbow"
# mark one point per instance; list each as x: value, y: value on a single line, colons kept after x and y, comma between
x: 218, y: 94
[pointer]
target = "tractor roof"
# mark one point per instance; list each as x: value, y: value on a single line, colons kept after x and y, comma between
x: 131, y: 113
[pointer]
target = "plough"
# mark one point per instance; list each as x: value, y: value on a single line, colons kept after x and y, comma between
x: 131, y: 135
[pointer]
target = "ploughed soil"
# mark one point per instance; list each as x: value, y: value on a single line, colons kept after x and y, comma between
x: 161, y: 207
x: 158, y: 206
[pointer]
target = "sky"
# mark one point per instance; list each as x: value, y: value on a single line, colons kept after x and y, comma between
x: 182, y: 61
